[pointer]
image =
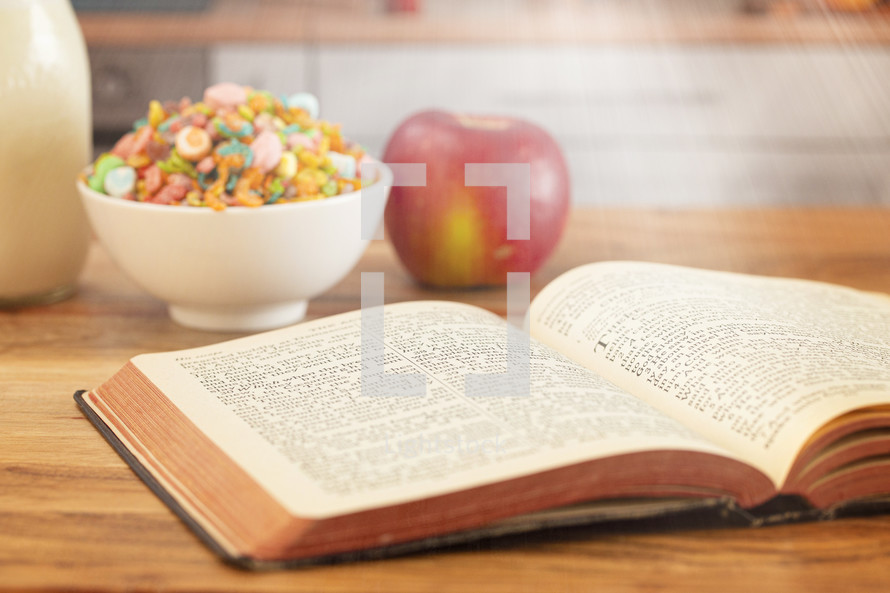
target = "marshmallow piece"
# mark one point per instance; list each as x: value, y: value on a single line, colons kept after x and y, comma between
x: 287, y: 167
x: 225, y: 94
x: 266, y: 151
x: 120, y: 181
x: 344, y: 163
x: 305, y: 101
x: 299, y: 139
x: 104, y: 165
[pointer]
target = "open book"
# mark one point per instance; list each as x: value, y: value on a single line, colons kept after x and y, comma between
x: 643, y: 389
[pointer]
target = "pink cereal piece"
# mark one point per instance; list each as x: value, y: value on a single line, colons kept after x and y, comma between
x: 153, y: 179
x: 143, y: 135
x: 266, y: 149
x: 225, y: 94
x: 180, y: 179
x: 124, y: 147
x: 264, y: 121
x: 206, y: 165
x: 199, y: 120
x: 169, y: 194
x: 299, y: 139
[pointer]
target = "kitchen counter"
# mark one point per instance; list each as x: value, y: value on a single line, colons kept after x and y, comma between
x: 74, y: 517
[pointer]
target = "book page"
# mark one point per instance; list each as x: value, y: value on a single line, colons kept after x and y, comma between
x: 288, y: 407
x: 754, y: 364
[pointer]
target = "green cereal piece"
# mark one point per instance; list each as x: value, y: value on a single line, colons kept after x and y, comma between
x: 176, y: 164
x: 190, y: 170
x: 181, y: 165
x: 104, y: 164
x: 140, y: 123
x: 330, y: 188
x: 276, y: 189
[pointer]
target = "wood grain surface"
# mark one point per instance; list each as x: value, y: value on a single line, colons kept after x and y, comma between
x: 74, y: 517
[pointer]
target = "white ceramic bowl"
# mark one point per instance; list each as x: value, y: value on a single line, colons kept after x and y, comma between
x: 241, y: 269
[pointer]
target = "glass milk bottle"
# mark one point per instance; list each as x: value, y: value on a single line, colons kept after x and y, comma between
x: 45, y: 139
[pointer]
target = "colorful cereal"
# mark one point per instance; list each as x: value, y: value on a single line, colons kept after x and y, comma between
x: 237, y: 147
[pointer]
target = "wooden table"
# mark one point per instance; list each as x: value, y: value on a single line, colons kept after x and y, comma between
x: 73, y: 516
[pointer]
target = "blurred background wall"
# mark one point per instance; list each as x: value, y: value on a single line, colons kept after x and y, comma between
x: 671, y: 103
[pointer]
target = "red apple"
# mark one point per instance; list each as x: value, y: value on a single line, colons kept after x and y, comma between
x: 450, y: 235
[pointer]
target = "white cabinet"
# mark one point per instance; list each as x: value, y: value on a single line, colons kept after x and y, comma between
x: 281, y: 69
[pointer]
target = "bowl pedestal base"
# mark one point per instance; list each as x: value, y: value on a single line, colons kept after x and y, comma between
x: 225, y: 318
